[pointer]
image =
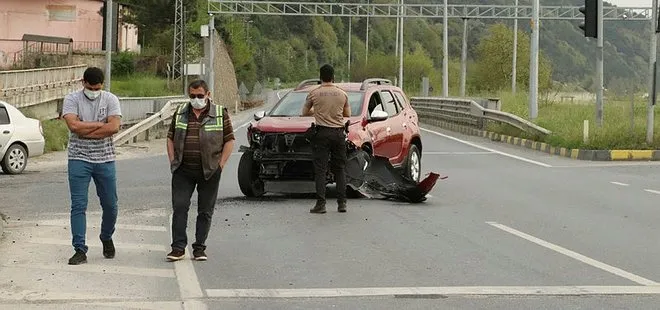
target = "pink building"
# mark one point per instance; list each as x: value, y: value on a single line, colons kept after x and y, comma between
x: 80, y: 20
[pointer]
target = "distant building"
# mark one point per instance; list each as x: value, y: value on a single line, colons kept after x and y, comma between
x: 78, y: 20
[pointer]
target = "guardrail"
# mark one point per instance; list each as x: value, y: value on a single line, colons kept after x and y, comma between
x: 470, y: 113
x: 161, y: 116
x: 136, y: 109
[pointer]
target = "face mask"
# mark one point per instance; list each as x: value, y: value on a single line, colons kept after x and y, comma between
x: 198, y: 103
x: 92, y: 94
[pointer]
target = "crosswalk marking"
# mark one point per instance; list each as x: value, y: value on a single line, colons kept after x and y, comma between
x: 104, y: 269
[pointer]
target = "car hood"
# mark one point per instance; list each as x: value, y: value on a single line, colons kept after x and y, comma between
x: 288, y: 124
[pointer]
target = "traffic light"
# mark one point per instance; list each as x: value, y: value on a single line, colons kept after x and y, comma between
x: 590, y: 23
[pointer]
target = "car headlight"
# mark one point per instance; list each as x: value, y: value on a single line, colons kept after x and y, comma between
x: 255, y: 136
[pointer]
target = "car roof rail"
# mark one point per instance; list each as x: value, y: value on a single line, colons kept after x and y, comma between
x: 376, y: 81
x: 308, y: 82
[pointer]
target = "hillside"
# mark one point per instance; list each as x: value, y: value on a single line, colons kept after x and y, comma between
x: 291, y: 48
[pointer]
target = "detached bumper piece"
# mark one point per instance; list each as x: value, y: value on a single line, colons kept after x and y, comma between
x: 378, y: 179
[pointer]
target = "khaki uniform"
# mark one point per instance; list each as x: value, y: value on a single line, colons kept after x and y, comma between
x: 328, y: 102
x: 329, y: 143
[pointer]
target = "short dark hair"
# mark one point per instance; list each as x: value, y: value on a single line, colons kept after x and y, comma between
x: 93, y: 76
x: 327, y: 73
x: 197, y: 84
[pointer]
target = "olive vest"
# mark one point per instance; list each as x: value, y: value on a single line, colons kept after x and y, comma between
x: 211, y: 137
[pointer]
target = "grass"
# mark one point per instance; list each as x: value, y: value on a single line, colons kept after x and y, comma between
x: 140, y: 85
x: 56, y: 135
x: 565, y: 120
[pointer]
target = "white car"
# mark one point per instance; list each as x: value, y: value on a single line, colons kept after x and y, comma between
x: 20, y: 137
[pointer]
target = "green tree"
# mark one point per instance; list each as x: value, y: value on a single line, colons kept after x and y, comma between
x: 495, y: 58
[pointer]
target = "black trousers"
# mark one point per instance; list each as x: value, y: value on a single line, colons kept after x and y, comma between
x: 329, y: 144
x: 184, y: 182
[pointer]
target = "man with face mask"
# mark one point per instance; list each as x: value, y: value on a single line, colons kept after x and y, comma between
x: 93, y: 117
x: 199, y: 143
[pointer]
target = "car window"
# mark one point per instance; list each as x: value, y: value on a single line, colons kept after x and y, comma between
x: 4, y: 116
x: 375, y: 104
x: 401, y: 101
x: 292, y: 104
x: 388, y: 102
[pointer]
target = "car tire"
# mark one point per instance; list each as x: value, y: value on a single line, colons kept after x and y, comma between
x: 15, y: 159
x: 413, y: 168
x: 248, y: 177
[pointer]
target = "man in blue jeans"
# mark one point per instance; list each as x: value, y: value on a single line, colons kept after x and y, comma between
x: 93, y: 117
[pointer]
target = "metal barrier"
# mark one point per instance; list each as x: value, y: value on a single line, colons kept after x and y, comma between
x: 136, y: 109
x: 469, y: 113
x: 161, y: 116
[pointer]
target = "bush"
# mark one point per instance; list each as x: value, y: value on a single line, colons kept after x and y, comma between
x: 56, y: 134
x: 123, y: 64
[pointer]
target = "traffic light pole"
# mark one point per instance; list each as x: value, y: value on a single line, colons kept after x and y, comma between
x: 650, y: 113
x: 599, y: 67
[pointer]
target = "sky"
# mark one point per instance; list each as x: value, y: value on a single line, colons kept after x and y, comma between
x: 644, y: 3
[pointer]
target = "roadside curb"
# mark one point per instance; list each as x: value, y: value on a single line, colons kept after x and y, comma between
x: 579, y: 154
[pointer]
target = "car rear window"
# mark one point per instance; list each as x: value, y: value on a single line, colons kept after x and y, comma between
x: 292, y: 104
x: 4, y: 116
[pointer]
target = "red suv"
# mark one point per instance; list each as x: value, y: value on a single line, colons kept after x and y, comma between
x: 279, y: 156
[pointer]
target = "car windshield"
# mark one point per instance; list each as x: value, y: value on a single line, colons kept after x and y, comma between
x: 292, y: 104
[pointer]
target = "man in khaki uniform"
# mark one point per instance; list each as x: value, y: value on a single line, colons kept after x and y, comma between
x: 329, y: 105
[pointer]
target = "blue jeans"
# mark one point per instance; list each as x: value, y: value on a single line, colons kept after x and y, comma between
x: 80, y: 174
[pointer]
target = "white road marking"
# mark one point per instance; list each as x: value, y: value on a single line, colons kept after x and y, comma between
x: 487, y: 149
x: 619, y: 183
x: 186, y: 277
x: 652, y: 191
x: 28, y: 295
x: 457, y: 153
x: 104, y: 269
x: 151, y: 305
x: 67, y: 223
x: 575, y: 255
x: 119, y: 245
x: 445, y: 291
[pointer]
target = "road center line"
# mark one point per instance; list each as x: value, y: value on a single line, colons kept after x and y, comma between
x: 431, y: 291
x: 575, y: 255
x: 457, y: 153
x: 652, y: 191
x: 486, y: 149
x: 619, y: 183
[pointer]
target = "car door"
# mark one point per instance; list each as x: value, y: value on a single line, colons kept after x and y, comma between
x: 394, y: 128
x: 6, y: 129
x: 377, y: 130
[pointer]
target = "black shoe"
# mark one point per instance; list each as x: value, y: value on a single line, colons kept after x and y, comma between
x: 199, y: 255
x: 341, y: 207
x: 79, y: 258
x: 108, y: 248
x: 318, y: 208
x: 176, y: 255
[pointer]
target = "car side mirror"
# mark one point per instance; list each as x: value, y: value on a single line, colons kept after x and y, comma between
x: 377, y: 116
x: 259, y: 115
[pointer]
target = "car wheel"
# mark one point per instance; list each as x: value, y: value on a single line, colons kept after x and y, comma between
x: 248, y: 176
x: 15, y: 160
x: 414, y: 164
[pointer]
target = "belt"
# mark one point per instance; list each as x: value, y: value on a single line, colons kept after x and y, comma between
x: 332, y: 128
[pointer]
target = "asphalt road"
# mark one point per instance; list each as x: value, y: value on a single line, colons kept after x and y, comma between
x: 509, y: 229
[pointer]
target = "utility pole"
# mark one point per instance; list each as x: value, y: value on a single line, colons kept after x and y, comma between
x: 401, y: 46
x: 211, y: 71
x: 445, y: 52
x: 108, y: 45
x: 366, y: 54
x: 464, y: 57
x: 654, y: 74
x: 534, y: 62
x: 514, y: 71
x: 350, y: 34
x: 599, y: 67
